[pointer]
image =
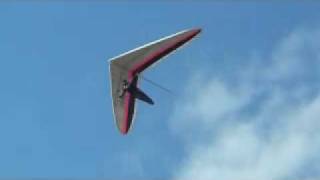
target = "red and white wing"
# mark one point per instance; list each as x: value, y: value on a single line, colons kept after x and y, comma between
x: 132, y: 63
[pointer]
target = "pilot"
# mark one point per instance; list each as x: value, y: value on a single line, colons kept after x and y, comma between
x: 125, y: 87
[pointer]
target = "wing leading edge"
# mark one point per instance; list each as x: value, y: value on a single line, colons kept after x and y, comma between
x: 127, y: 67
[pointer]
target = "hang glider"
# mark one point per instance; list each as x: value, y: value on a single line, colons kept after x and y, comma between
x: 126, y: 68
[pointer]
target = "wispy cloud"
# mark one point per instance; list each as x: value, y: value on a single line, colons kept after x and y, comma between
x: 264, y: 124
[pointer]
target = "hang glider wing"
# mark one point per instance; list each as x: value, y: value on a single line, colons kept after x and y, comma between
x: 127, y: 67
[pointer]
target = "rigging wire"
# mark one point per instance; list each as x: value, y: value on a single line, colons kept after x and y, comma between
x: 157, y: 85
x: 149, y: 81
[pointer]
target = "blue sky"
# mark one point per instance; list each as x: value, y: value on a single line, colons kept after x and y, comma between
x: 242, y: 77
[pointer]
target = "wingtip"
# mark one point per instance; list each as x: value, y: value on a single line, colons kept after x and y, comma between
x: 193, y: 32
x: 124, y: 131
x: 196, y: 30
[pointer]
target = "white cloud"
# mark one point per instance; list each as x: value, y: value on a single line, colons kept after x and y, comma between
x: 266, y: 127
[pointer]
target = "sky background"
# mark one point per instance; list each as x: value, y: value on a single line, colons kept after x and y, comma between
x: 246, y: 92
